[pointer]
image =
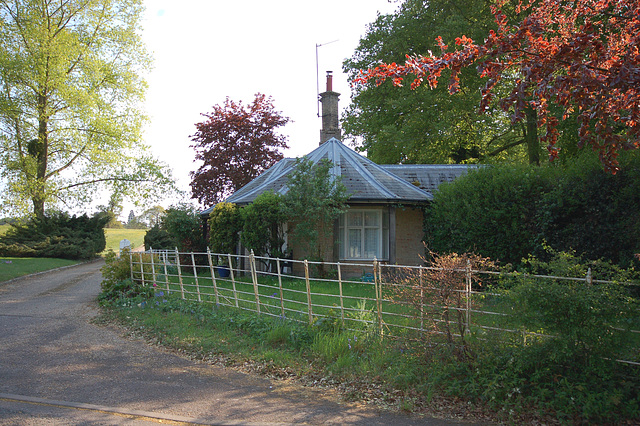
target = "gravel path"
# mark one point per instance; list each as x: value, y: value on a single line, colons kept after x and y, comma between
x: 58, y: 368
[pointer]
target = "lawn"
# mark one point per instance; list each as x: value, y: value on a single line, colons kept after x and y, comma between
x: 114, y: 236
x: 13, y: 267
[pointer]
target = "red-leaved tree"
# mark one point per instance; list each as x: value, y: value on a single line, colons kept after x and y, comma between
x: 580, y: 55
x: 236, y: 143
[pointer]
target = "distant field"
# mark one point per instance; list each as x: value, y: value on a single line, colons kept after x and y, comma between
x: 114, y: 236
x: 13, y: 267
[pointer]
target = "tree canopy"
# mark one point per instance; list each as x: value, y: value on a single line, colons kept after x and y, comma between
x: 70, y: 103
x: 400, y: 125
x: 565, y: 59
x: 236, y: 143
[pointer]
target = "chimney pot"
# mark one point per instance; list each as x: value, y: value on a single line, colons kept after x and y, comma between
x: 329, y: 81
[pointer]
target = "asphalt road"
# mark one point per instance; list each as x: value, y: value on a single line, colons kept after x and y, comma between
x: 57, y: 368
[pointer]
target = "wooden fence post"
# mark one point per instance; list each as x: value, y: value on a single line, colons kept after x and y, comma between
x: 468, y: 289
x: 306, y: 276
x: 195, y: 275
x: 131, y: 266
x: 280, y: 286
x: 254, y: 279
x: 141, y: 269
x: 233, y: 279
x: 589, y: 278
x: 341, y: 295
x: 378, y: 288
x: 166, y: 274
x: 179, y: 273
x: 153, y: 270
x: 213, y: 276
x: 420, y: 283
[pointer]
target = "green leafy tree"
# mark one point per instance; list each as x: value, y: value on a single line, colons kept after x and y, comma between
x: 262, y: 229
x: 314, y: 201
x: 184, y: 225
x: 70, y: 99
x: 561, y: 61
x: 425, y: 125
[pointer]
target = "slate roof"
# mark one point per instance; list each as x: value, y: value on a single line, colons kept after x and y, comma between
x: 428, y: 176
x: 367, y: 181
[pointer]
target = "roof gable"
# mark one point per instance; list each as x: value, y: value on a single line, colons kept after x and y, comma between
x: 366, y: 181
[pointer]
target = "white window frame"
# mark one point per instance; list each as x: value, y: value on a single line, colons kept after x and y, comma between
x: 381, y: 229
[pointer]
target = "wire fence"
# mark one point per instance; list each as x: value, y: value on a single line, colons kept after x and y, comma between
x: 351, y: 295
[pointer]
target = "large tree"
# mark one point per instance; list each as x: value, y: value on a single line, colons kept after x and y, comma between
x: 424, y: 125
x: 70, y: 97
x: 236, y: 143
x: 576, y: 58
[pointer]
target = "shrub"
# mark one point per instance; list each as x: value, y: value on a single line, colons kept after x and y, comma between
x: 507, y: 212
x: 262, y: 225
x: 159, y: 238
x: 58, y: 236
x: 224, y: 225
x: 116, y: 282
x: 185, y: 227
x: 490, y: 211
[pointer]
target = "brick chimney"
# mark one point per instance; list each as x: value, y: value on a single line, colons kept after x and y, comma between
x: 329, y: 99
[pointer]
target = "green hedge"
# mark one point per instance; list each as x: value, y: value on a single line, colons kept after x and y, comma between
x: 508, y: 212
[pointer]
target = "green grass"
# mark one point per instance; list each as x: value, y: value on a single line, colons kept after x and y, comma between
x: 12, y: 267
x: 4, y: 228
x: 114, y: 236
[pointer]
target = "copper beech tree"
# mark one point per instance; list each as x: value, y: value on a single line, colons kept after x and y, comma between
x: 578, y: 57
x: 236, y: 143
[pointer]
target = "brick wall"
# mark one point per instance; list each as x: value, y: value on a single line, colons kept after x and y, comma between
x: 409, y: 236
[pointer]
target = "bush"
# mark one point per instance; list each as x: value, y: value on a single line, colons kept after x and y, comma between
x: 58, y: 236
x: 117, y: 284
x: 184, y: 225
x: 490, y: 211
x: 224, y: 225
x: 508, y: 212
x: 262, y: 229
x: 158, y: 238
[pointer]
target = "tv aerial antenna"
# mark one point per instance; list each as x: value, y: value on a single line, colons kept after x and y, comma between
x: 318, y: 72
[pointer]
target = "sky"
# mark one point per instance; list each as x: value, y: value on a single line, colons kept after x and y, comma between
x: 207, y: 50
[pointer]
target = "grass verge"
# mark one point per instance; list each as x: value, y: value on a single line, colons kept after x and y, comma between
x: 14, y: 267
x: 357, y: 363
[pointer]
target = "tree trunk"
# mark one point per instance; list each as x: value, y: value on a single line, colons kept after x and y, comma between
x: 41, y: 155
x: 531, y: 136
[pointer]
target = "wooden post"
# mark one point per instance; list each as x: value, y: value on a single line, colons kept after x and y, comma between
x: 341, y: 295
x: 141, y: 269
x: 589, y: 278
x: 153, y: 270
x: 131, y: 266
x: 166, y: 274
x: 420, y: 283
x: 213, y: 276
x: 378, y: 288
x: 195, y: 276
x: 233, y: 279
x: 306, y: 276
x: 468, y: 281
x: 179, y: 273
x: 280, y: 286
x: 254, y: 279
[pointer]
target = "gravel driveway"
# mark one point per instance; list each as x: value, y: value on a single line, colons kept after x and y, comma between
x: 56, y: 367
